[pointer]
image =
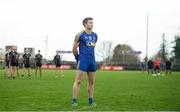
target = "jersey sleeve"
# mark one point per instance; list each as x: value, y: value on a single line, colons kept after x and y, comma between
x: 96, y: 37
x: 23, y: 55
x: 10, y: 56
x: 77, y: 37
x: 36, y: 56
x: 54, y: 60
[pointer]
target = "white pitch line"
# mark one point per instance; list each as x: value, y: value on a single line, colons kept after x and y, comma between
x: 85, y: 107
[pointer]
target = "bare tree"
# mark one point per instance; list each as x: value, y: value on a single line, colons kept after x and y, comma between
x: 105, y: 51
x: 163, y: 51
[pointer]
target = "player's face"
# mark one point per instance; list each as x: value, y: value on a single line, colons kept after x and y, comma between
x: 13, y: 48
x: 26, y: 51
x: 89, y: 24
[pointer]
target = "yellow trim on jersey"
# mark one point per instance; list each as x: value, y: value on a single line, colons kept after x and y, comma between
x: 88, y: 32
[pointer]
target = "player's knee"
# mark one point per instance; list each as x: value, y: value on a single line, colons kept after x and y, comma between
x: 91, y: 82
x: 78, y: 82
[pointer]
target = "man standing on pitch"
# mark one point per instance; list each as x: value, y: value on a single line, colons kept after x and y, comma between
x: 86, y: 41
x: 7, y: 65
x: 38, y: 59
x: 27, y: 63
x: 13, y: 55
x: 168, y: 67
x: 17, y: 63
x: 57, y: 61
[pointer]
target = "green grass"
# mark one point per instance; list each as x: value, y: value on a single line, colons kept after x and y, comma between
x: 114, y: 90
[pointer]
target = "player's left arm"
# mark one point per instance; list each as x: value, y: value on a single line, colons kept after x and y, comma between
x: 96, y: 38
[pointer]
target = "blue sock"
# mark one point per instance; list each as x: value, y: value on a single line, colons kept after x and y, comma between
x: 74, y: 100
x: 91, y: 100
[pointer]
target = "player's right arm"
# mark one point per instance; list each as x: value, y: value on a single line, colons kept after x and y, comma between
x: 10, y: 56
x: 75, y: 46
x: 74, y: 50
x: 54, y: 60
x: 23, y: 57
x: 35, y: 58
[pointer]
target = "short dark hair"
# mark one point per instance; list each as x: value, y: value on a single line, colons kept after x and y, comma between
x: 85, y: 20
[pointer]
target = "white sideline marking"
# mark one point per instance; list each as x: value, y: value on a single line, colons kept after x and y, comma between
x: 85, y: 107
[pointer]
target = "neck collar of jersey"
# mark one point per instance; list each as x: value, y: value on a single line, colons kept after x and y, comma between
x: 87, y: 32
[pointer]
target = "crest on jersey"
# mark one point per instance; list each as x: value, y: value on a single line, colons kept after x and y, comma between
x: 90, y: 38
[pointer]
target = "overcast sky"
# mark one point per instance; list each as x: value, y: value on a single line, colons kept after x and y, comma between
x: 26, y: 23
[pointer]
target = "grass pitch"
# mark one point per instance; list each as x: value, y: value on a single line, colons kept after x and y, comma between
x: 114, y: 90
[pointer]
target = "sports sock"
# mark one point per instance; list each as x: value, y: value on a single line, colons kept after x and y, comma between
x: 90, y: 100
x: 74, y: 100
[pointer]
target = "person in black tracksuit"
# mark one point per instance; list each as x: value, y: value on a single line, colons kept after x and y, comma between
x: 13, y: 55
x: 57, y: 62
x: 168, y: 67
x: 27, y: 63
x: 38, y: 59
x: 7, y: 64
x: 17, y: 63
x: 150, y: 66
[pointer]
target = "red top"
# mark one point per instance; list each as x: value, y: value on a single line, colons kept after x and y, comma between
x: 157, y: 62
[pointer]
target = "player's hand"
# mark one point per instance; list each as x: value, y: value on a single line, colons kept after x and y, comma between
x: 77, y: 58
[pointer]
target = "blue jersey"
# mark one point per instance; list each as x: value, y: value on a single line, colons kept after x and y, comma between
x: 87, y: 45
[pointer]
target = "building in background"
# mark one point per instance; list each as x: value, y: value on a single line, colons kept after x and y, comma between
x: 31, y: 51
x: 10, y: 47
